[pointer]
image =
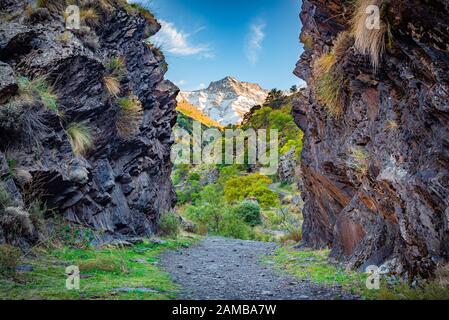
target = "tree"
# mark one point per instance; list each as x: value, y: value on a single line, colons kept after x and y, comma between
x: 294, y: 89
x: 273, y: 96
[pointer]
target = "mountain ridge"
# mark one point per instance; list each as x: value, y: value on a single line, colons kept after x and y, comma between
x: 227, y: 100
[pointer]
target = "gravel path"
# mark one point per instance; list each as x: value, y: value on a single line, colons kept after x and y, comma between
x: 228, y: 269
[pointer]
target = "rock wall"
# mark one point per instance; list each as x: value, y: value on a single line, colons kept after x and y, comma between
x: 376, y: 178
x: 122, y: 183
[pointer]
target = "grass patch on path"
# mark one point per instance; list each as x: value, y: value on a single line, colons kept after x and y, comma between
x: 314, y: 265
x: 106, y: 274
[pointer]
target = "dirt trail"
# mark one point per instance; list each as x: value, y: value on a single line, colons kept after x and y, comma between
x: 228, y: 269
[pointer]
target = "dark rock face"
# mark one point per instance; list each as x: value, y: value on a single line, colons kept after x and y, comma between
x: 398, y: 209
x: 121, y: 185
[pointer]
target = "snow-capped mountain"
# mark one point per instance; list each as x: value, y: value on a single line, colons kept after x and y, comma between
x: 226, y: 101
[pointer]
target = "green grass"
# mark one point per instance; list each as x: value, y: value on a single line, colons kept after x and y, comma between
x: 38, y: 88
x: 104, y: 270
x: 314, y: 265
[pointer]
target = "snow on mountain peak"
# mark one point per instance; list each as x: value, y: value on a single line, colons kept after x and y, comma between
x: 226, y: 101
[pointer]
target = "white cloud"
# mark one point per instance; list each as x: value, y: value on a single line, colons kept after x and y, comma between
x: 254, y: 42
x: 180, y: 82
x: 177, y: 42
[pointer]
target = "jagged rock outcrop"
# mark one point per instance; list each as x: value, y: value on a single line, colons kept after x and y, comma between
x: 376, y: 178
x: 122, y: 183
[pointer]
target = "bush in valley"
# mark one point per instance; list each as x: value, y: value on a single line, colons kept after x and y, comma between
x: 254, y: 185
x: 169, y: 225
x: 249, y: 212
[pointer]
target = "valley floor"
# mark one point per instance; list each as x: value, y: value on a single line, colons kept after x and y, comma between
x: 229, y: 269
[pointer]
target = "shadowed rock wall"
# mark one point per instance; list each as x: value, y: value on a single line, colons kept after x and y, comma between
x: 390, y: 201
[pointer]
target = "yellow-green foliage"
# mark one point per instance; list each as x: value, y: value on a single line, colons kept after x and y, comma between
x: 89, y: 16
x: 116, y: 66
x: 307, y: 41
x: 323, y: 64
x: 37, y: 90
x: 329, y: 92
x: 329, y: 81
x: 369, y: 41
x: 80, y: 138
x: 358, y: 160
x: 130, y: 115
x: 251, y: 186
x: 192, y: 112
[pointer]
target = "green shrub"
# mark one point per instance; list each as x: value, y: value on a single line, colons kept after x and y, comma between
x: 9, y: 259
x: 233, y: 226
x: 169, y: 225
x: 193, y: 177
x: 249, y: 212
x: 253, y: 185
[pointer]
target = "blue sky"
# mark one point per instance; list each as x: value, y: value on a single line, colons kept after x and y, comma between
x: 252, y: 40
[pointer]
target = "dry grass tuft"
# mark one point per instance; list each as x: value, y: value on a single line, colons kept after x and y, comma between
x: 130, y: 115
x: 112, y: 84
x: 323, y: 64
x: 368, y: 41
x: 329, y: 91
x: 342, y: 43
x: 89, y: 16
x: 80, y: 138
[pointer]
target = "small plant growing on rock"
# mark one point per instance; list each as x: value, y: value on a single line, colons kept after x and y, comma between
x: 89, y: 16
x: 342, y: 43
x: 392, y: 125
x: 130, y: 115
x: 368, y: 41
x: 358, y: 160
x: 80, y: 138
x: 137, y: 8
x: 307, y: 41
x: 329, y: 92
x: 112, y: 84
x: 323, y: 64
x: 37, y: 89
x: 116, y: 66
